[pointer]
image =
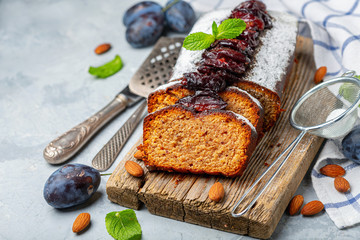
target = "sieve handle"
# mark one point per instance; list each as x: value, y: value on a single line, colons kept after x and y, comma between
x: 350, y: 73
x: 289, y: 148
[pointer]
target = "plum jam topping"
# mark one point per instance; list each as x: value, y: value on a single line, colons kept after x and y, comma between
x: 225, y: 64
x: 251, y: 37
x: 224, y: 74
x: 235, y: 44
x: 252, y: 21
x: 226, y: 60
x: 203, y: 101
x: 199, y: 81
x: 226, y: 53
x: 258, y: 9
x: 253, y: 4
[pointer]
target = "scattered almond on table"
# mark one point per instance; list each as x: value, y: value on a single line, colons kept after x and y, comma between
x: 341, y: 184
x: 332, y: 170
x: 312, y: 208
x: 134, y: 169
x: 320, y: 74
x: 81, y: 222
x: 139, y: 155
x: 102, y: 48
x: 216, y: 192
x: 295, y: 204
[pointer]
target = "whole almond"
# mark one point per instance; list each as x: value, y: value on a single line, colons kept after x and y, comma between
x: 217, y: 192
x: 320, y: 74
x: 81, y: 222
x: 103, y: 48
x: 295, y: 204
x: 312, y: 208
x: 341, y: 184
x: 139, y: 155
x: 134, y: 169
x: 332, y: 170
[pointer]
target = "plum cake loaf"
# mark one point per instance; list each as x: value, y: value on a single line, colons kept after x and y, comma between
x: 219, y: 101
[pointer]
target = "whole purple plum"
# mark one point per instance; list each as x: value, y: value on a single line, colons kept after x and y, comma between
x: 141, y: 8
x: 180, y: 17
x: 145, y: 31
x: 71, y: 185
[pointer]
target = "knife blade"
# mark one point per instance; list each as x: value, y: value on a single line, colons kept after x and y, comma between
x: 107, y: 155
x: 68, y: 144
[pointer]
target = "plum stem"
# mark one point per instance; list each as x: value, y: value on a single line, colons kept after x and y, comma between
x: 164, y: 9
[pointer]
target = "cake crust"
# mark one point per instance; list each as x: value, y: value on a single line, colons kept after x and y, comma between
x: 238, y: 101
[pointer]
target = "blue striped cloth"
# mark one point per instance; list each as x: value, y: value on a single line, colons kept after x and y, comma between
x: 343, y: 208
x: 335, y: 29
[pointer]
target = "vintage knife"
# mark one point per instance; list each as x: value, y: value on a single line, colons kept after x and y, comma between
x: 107, y: 155
x: 65, y: 146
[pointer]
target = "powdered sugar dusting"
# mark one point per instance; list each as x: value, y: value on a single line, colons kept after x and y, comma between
x: 270, y: 63
x: 187, y: 59
x: 244, y: 119
x: 278, y: 46
x: 165, y: 86
x: 248, y: 94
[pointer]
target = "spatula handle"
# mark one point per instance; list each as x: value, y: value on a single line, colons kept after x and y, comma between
x: 65, y: 146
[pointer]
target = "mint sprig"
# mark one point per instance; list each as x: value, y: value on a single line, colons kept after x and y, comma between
x: 228, y: 29
x: 215, y: 29
x: 107, y: 69
x: 198, y: 41
x: 123, y: 225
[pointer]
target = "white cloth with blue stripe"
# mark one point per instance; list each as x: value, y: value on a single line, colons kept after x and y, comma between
x: 343, y: 208
x: 335, y: 30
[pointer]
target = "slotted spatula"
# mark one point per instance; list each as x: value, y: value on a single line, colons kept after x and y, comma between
x: 153, y: 72
x: 157, y: 68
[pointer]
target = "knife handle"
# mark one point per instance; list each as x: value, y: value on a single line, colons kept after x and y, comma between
x: 65, y: 146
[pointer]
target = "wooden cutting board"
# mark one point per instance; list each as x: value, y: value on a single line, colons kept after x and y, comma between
x: 184, y: 197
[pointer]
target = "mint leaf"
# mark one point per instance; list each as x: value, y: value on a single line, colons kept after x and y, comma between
x: 348, y: 91
x: 230, y: 28
x: 123, y: 225
x: 107, y: 69
x: 215, y: 30
x: 198, y: 41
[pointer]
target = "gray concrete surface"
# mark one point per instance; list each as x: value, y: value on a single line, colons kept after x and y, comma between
x: 46, y: 48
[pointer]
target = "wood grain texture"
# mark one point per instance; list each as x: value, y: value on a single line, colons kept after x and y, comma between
x: 184, y: 197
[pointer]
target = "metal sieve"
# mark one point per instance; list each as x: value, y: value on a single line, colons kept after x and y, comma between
x: 328, y: 110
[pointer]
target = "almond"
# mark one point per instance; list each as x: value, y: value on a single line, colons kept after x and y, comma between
x: 134, y: 169
x: 139, y: 154
x: 320, y: 74
x: 341, y: 184
x: 81, y: 222
x: 216, y: 192
x: 295, y: 204
x: 103, y: 48
x: 332, y: 170
x: 312, y: 208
